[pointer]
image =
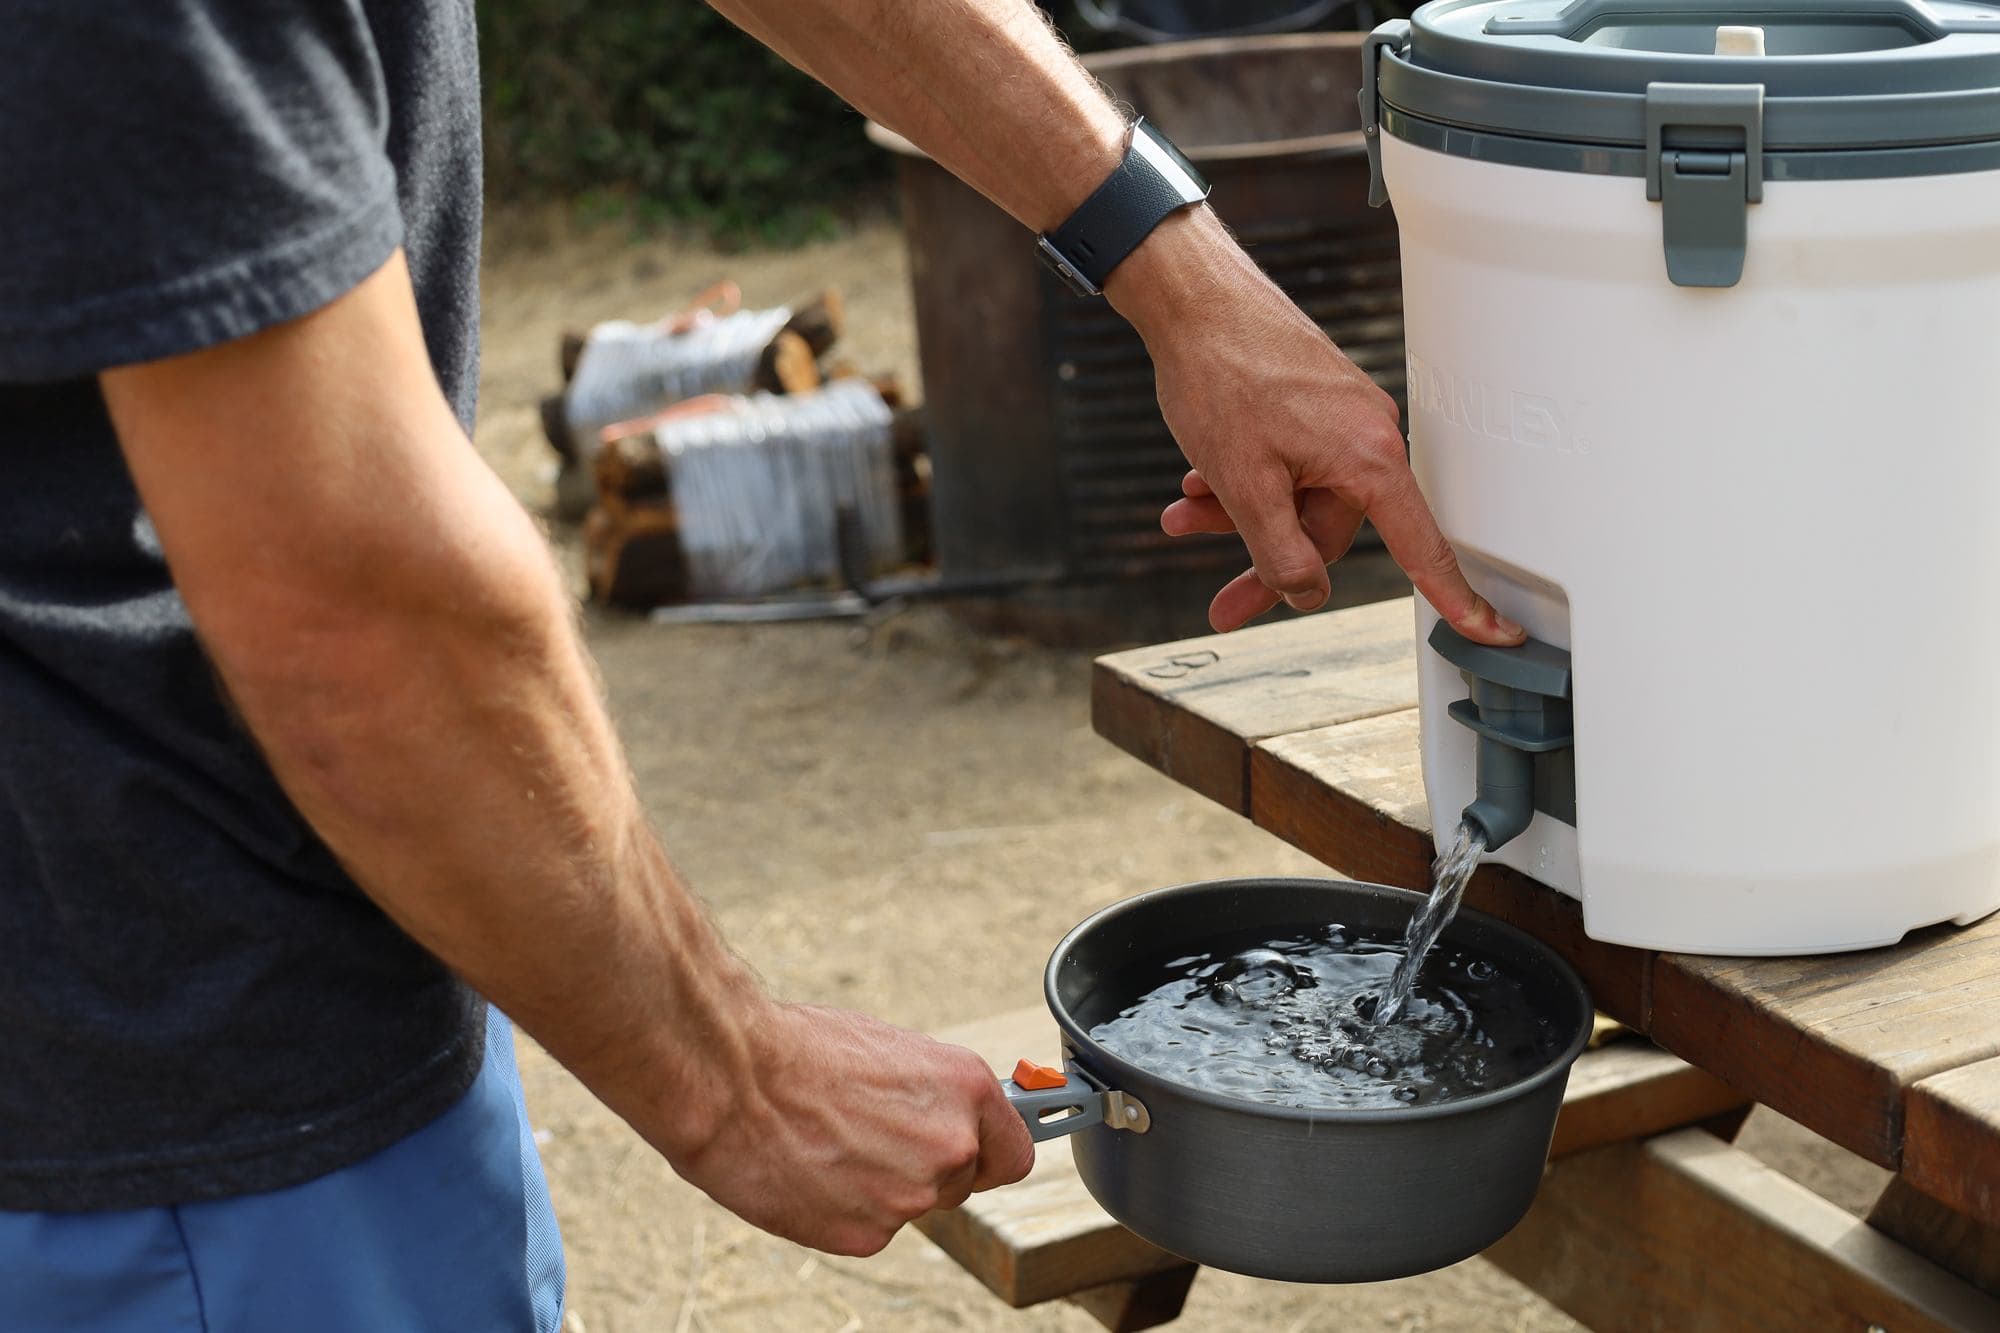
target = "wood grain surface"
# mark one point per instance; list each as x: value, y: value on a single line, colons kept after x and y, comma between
x: 1838, y: 1042
x: 1225, y: 690
x: 1686, y: 1234
x: 1951, y: 1139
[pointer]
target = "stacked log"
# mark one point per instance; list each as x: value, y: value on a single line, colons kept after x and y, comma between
x: 634, y: 556
x: 789, y: 363
x: 618, y: 480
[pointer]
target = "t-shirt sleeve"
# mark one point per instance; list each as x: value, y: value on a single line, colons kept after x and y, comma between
x: 178, y: 173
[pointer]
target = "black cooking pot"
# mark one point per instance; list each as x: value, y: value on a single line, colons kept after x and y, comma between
x: 1277, y: 1191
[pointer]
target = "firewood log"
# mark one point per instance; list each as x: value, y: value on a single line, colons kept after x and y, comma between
x: 633, y: 556
x: 555, y: 427
x: 887, y: 385
x: 820, y: 321
x: 787, y: 366
x: 906, y: 434
x: 632, y: 469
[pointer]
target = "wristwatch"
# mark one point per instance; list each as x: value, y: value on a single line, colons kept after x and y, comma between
x: 1153, y: 181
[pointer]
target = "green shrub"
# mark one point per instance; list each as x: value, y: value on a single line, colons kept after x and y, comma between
x: 665, y: 107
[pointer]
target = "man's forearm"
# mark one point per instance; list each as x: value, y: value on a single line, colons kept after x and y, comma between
x: 454, y: 753
x: 391, y: 627
x: 983, y: 86
x: 988, y: 89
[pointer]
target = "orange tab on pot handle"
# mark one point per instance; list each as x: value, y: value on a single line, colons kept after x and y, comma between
x: 1034, y: 1077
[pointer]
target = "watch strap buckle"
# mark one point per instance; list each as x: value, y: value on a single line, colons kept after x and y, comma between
x: 1058, y: 263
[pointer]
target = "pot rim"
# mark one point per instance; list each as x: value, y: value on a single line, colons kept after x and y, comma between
x: 1125, y: 1073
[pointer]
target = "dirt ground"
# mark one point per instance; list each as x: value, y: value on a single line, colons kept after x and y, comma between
x: 899, y: 816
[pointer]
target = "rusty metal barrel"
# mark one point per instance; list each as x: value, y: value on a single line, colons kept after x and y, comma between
x: 1049, y: 457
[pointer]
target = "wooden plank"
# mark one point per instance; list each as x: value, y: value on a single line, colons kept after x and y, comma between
x: 1837, y: 1042
x: 1684, y: 1233
x: 1632, y: 1089
x: 1951, y: 1139
x: 1192, y: 709
x: 1950, y: 1239
x: 1046, y: 1237
x: 1353, y: 796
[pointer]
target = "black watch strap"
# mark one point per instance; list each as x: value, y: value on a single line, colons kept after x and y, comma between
x: 1152, y: 182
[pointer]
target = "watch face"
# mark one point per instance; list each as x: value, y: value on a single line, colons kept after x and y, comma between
x: 1171, y: 164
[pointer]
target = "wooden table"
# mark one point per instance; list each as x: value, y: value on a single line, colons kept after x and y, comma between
x: 1309, y: 728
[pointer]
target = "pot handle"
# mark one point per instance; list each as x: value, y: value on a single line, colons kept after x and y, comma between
x: 1083, y: 1101
x: 1081, y: 1097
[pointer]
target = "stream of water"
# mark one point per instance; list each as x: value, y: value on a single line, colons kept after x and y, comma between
x: 1450, y: 873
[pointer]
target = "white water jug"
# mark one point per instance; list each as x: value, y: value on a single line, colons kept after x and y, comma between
x: 1703, y: 313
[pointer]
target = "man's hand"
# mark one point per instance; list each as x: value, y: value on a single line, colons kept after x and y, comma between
x: 1292, y: 444
x: 853, y: 1127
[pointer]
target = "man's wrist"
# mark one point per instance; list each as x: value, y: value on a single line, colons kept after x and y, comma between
x: 696, y: 1083
x: 1188, y: 263
x: 1153, y: 181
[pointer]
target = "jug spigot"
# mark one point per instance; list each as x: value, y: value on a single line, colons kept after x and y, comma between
x: 1505, y: 803
x: 1520, y: 710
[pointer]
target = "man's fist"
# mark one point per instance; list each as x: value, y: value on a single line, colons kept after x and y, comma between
x: 853, y: 1127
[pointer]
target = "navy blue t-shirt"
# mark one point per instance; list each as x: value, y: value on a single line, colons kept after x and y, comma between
x: 195, y: 1000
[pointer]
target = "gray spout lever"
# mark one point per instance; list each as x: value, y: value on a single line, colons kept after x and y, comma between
x: 1520, y: 710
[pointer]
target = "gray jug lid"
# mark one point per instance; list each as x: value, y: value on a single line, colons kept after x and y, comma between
x: 1866, y: 87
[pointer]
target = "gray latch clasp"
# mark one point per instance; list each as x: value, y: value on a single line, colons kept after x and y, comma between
x: 1707, y: 177
x: 1391, y: 36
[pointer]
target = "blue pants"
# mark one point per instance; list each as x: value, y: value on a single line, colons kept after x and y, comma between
x: 448, y: 1230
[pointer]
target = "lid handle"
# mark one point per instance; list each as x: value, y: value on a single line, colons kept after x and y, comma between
x: 1579, y: 16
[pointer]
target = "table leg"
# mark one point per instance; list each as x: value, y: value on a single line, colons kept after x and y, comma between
x: 1146, y: 1302
x: 1727, y: 1125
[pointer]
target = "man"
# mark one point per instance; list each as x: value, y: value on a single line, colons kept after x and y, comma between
x: 301, y: 756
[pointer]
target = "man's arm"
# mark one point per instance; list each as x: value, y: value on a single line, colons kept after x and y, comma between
x: 392, y: 629
x: 1291, y: 443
